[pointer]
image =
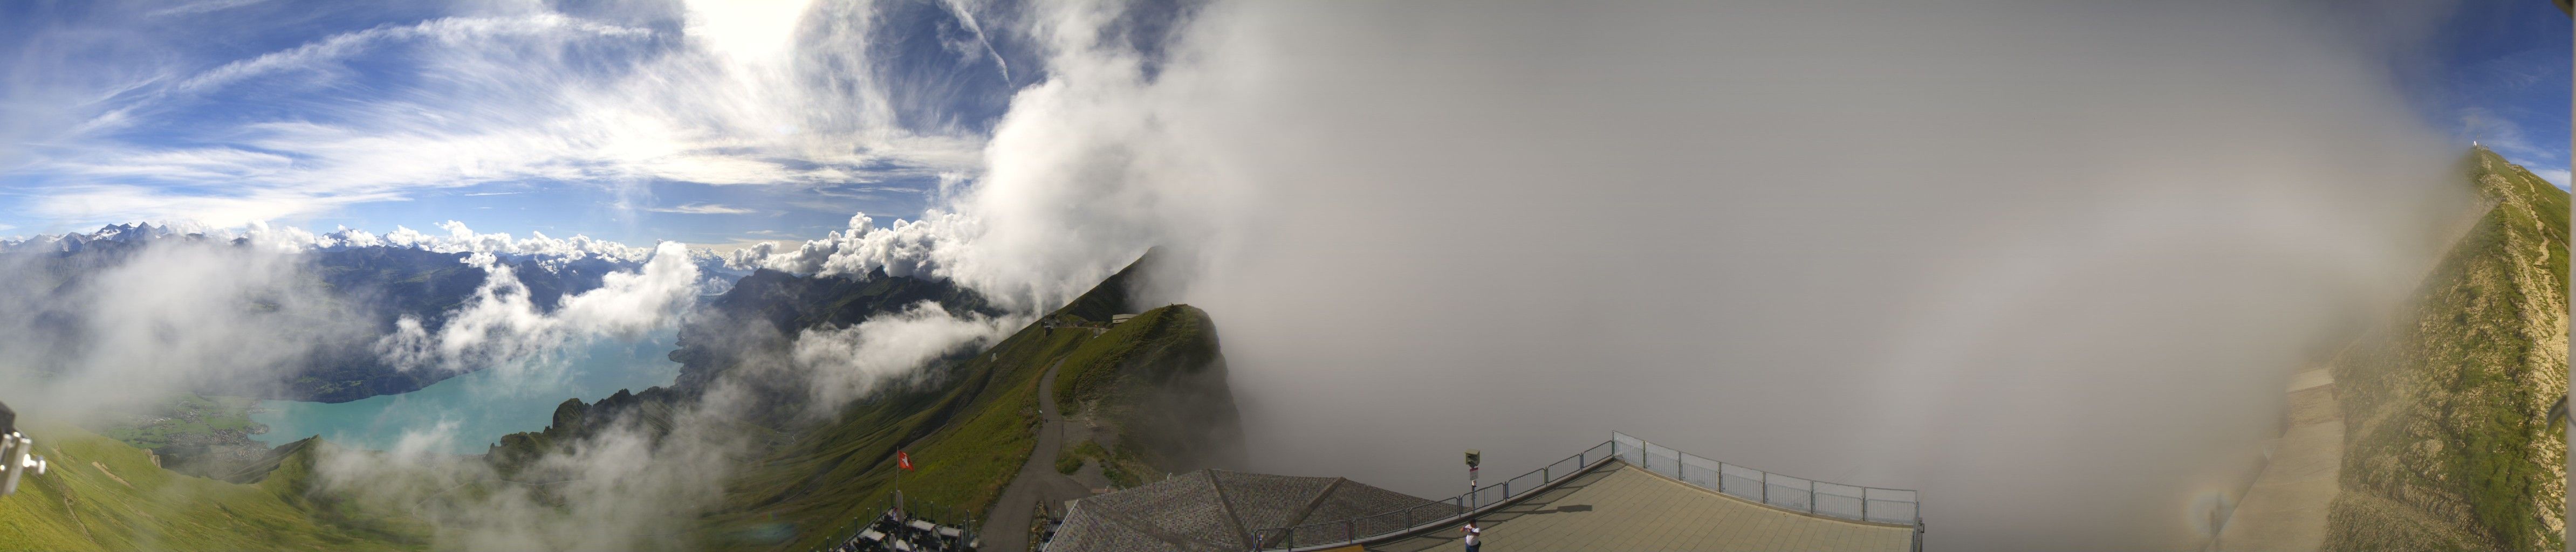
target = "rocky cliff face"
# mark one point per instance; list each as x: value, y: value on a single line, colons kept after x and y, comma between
x: 2450, y: 447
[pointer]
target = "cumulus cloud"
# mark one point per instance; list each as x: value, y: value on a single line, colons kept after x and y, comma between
x: 92, y: 334
x: 847, y: 363
x: 501, y: 326
x: 554, y: 251
x: 907, y: 248
x: 189, y: 308
x: 624, y: 488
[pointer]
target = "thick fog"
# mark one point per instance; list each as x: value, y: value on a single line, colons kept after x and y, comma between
x: 2052, y: 265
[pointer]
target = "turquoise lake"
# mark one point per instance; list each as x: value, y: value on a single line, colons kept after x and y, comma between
x: 478, y: 407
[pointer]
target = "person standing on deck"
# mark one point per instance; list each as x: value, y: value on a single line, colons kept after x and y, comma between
x: 1474, y: 535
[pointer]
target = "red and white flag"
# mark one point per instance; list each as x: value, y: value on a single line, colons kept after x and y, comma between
x: 902, y: 460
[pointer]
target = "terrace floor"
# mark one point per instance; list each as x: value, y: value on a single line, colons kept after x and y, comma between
x: 1620, y: 507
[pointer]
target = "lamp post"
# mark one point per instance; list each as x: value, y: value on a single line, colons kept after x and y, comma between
x: 1473, y: 457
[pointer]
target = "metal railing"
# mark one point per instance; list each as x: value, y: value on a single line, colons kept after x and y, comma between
x: 1435, y: 513
x: 1835, y: 500
x: 1868, y: 504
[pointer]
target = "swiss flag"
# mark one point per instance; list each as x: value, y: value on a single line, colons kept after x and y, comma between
x: 902, y: 460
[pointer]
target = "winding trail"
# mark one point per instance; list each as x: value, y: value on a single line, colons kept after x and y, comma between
x: 1006, y: 527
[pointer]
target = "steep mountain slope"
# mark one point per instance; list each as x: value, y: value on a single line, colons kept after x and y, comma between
x: 104, y: 495
x: 2449, y: 447
x: 968, y: 423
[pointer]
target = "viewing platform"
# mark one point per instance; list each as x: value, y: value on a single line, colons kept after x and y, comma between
x: 1631, y: 494
x: 1623, y: 494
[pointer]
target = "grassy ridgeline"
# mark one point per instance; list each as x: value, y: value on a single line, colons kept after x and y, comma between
x: 967, y: 442
x: 101, y: 494
x: 2448, y: 446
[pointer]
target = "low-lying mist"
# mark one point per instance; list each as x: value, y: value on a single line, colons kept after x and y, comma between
x: 2051, y: 265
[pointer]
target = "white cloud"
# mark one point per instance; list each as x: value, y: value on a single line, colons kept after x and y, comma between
x: 909, y: 248
x: 452, y: 31
x: 200, y: 6
x: 702, y: 209
x: 501, y: 326
x: 2554, y: 176
x: 846, y: 363
x: 176, y: 316
x: 2140, y: 242
x: 751, y: 94
x: 554, y: 251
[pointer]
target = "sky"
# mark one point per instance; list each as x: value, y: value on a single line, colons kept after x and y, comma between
x: 629, y: 121
x: 2497, y: 72
x: 637, y: 121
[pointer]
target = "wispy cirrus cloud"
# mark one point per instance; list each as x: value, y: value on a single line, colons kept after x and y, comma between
x: 2554, y: 176
x: 788, y: 94
x: 703, y: 209
x: 202, y: 6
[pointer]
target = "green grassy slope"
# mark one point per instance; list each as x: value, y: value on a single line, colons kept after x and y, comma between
x: 966, y: 441
x: 1159, y: 382
x: 969, y: 424
x: 2447, y: 441
x: 969, y: 427
x: 105, y: 495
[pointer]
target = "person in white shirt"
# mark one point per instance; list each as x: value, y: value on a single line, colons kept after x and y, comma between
x: 1474, y: 535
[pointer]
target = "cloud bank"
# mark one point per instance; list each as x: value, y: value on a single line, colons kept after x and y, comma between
x: 2050, y: 264
x: 91, y: 335
x: 501, y: 326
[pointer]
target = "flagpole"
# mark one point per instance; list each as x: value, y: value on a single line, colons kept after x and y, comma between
x: 902, y: 463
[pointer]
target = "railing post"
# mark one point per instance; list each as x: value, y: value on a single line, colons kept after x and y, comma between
x: 1811, y: 496
x: 1507, y: 490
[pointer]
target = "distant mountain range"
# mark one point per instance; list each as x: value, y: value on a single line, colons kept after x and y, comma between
x: 379, y: 283
x: 1153, y: 387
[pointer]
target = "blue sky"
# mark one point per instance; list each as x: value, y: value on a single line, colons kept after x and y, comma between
x: 630, y: 121
x: 2497, y: 72
x: 713, y: 123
